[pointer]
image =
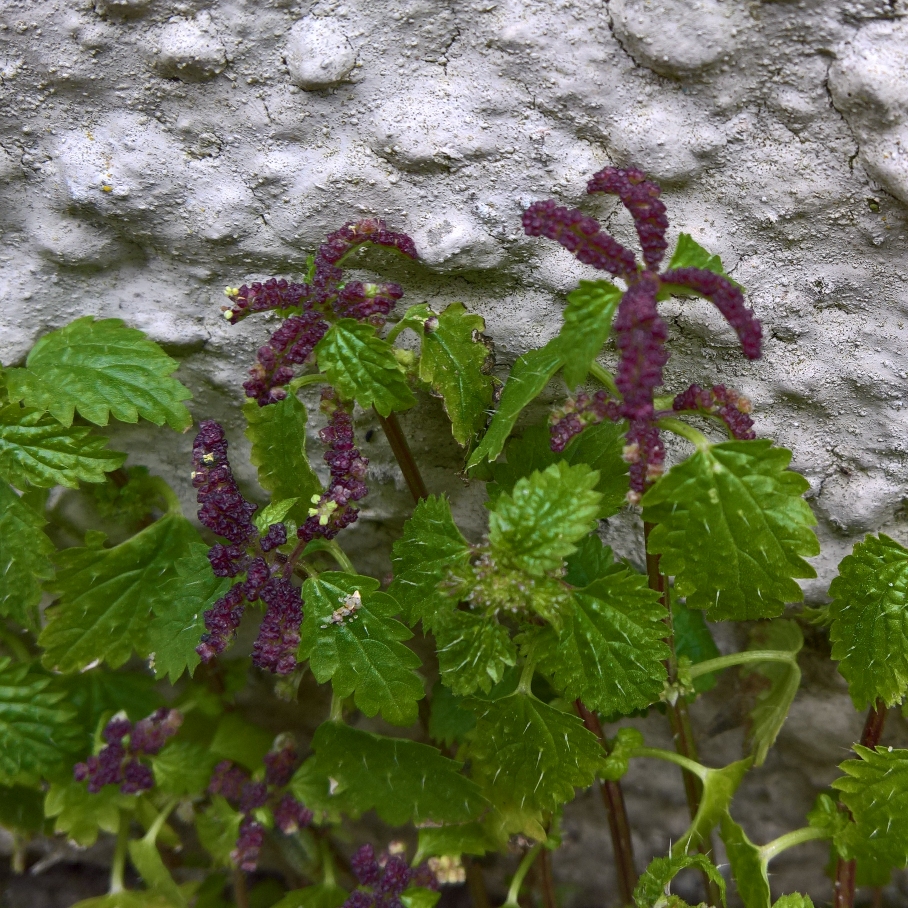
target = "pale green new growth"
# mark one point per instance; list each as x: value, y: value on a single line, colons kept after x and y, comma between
x: 473, y: 650
x: 869, y: 617
x: 81, y: 815
x: 354, y: 771
x: 539, y: 523
x: 362, y: 366
x: 107, y: 595
x: 351, y: 638
x: 451, y: 361
x: 37, y: 450
x: 732, y: 528
x: 101, y: 368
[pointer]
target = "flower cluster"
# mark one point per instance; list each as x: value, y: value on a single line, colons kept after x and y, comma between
x: 726, y: 403
x: 247, y: 796
x: 118, y: 762
x: 383, y: 879
x: 640, y: 333
x: 316, y: 304
x: 333, y: 510
x: 225, y: 511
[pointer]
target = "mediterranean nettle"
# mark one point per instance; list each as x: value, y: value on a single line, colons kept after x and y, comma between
x: 539, y: 638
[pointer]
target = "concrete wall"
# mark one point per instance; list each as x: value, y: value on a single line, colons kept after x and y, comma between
x: 155, y: 151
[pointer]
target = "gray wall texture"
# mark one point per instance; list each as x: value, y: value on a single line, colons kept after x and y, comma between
x: 154, y: 151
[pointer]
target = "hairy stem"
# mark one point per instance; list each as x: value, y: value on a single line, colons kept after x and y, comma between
x: 789, y: 840
x: 751, y: 655
x: 517, y: 880
x: 678, y: 427
x: 240, y: 894
x: 604, y: 377
x: 118, y: 867
x: 616, y: 810
x: 843, y: 895
x: 657, y: 753
x: 401, y: 449
x: 546, y: 880
x: 333, y: 549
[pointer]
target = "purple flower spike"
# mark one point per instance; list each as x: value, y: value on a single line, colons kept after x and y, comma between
x: 290, y: 816
x: 221, y: 622
x: 279, y: 634
x: 726, y: 403
x: 581, y: 235
x: 248, y: 845
x: 641, y: 198
x: 264, y: 297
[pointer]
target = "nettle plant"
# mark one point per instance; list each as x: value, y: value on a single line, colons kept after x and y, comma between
x: 125, y: 707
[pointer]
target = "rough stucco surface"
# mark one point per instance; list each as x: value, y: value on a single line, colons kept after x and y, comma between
x: 154, y: 152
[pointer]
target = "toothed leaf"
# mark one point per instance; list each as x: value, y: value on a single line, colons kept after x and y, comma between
x: 107, y: 596
x: 731, y: 527
x: 101, y: 368
x: 81, y: 815
x: 361, y: 653
x: 587, y: 323
x: 539, y: 522
x: 37, y: 450
x: 429, y: 549
x: 278, y: 436
x: 869, y: 615
x: 451, y: 362
x: 529, y: 376
x: 653, y: 885
x: 747, y: 865
x: 719, y: 787
x: 361, y: 365
x: 474, y: 651
x: 401, y: 780
x: 25, y: 553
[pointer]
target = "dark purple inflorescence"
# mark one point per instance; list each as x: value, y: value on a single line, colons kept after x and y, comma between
x: 248, y: 796
x: 726, y: 403
x: 314, y: 305
x: 640, y: 333
x: 225, y: 511
x: 334, y: 509
x: 382, y: 879
x: 119, y: 761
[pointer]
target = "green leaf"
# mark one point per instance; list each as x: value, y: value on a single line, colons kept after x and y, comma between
x: 22, y: 809
x: 449, y: 721
x: 25, y: 553
x: 653, y: 885
x: 363, y: 366
x: 719, y: 787
x: 793, y: 900
x: 869, y: 615
x: 101, y: 368
x: 591, y: 561
x: 278, y: 436
x: 419, y: 897
x: 540, y: 521
x: 147, y: 860
x: 468, y: 838
x: 731, y: 528
x: 529, y: 376
x: 451, y: 362
x: 36, y: 450
x: 875, y: 790
x: 610, y: 650
x: 80, y: 815
x: 321, y: 895
x: 474, y: 651
x: 183, y: 768
x: 218, y: 827
x: 530, y: 754
x: 430, y: 548
x: 37, y: 731
x: 401, y: 780
x: 361, y: 654
x: 179, y: 614
x: 240, y: 741
x: 107, y: 596
x: 587, y: 323
x: 274, y: 512
x: 131, y: 898
x: 694, y: 639
x: 599, y: 447
x: 622, y: 748
x: 690, y: 254
x: 747, y: 865
x: 773, y: 701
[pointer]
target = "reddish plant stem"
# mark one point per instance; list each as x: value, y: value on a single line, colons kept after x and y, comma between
x: 845, y: 871
x: 476, y: 883
x: 546, y: 880
x: 240, y: 894
x: 401, y: 450
x: 678, y: 714
x: 616, y: 810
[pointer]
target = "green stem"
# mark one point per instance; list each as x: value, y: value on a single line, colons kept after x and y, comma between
x: 168, y: 494
x: 695, y: 436
x: 337, y: 709
x: 525, y: 686
x: 604, y: 377
x: 158, y: 824
x: 334, y: 550
x: 400, y: 327
x: 119, y: 859
x: 789, y: 840
x: 517, y: 880
x: 314, y: 379
x: 751, y: 655
x: 692, y: 766
x: 328, y: 870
